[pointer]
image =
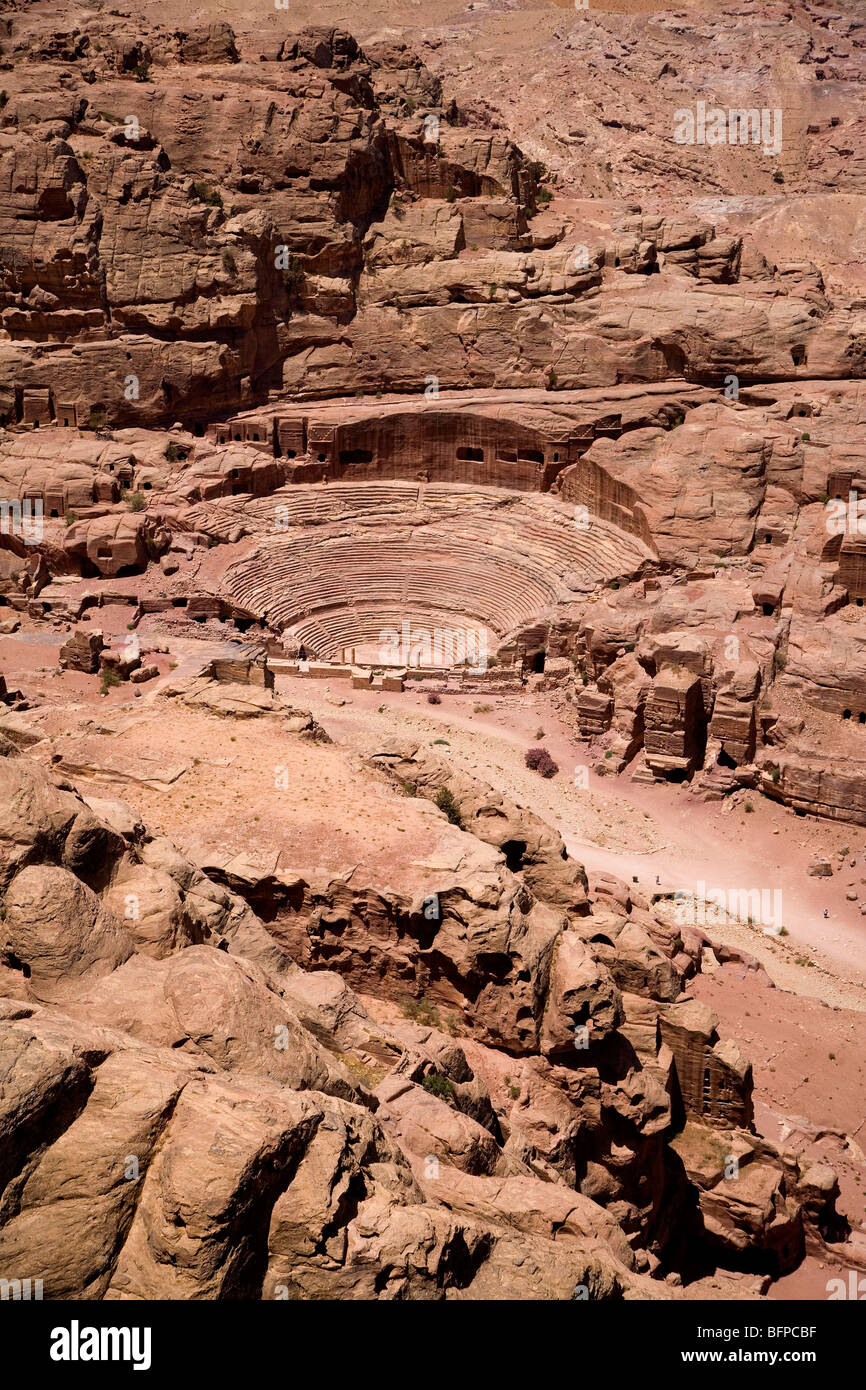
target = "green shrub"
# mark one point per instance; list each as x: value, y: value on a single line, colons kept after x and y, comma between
x: 439, y: 1086
x: 108, y: 680
x: 420, y: 1011
x: 446, y: 802
x: 136, y: 501
x: 208, y: 195
x: 293, y: 278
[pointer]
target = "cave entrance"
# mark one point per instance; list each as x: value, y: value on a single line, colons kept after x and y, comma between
x: 514, y: 850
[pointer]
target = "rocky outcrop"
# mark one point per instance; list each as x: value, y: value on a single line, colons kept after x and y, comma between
x: 529, y: 846
x: 155, y: 1067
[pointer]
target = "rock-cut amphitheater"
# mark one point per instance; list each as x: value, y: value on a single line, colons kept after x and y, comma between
x: 379, y: 403
x: 442, y: 517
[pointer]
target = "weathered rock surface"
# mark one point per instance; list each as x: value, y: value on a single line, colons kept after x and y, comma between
x: 148, y: 1070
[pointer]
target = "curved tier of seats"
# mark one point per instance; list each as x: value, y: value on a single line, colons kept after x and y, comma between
x: 335, y: 565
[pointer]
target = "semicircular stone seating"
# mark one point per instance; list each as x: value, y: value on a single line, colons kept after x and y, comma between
x: 336, y: 565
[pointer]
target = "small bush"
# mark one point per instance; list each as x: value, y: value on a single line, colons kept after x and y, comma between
x: 434, y: 699
x: 172, y: 452
x: 135, y: 501
x: 444, y: 799
x: 70, y: 518
x: 806, y: 437
x: 205, y: 194
x: 420, y: 1011
x: 541, y: 762
x: 108, y: 681
x: 141, y: 71
x: 229, y: 264
x: 481, y: 709
x: 294, y: 280
x: 439, y: 1086
x: 95, y: 420
x: 748, y: 808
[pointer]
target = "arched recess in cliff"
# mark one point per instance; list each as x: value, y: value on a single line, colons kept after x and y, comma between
x: 674, y: 357
x: 447, y: 446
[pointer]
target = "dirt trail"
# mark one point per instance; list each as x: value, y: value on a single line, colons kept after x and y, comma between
x: 638, y: 831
